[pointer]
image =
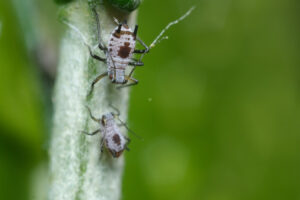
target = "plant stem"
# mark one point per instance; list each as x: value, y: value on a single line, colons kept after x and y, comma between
x: 78, y: 169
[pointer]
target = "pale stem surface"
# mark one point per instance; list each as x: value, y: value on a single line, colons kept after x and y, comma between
x: 78, y: 169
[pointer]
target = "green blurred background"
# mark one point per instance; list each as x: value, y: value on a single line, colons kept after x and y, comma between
x: 217, y: 104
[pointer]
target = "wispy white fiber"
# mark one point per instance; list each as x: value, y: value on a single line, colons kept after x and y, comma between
x: 77, y: 31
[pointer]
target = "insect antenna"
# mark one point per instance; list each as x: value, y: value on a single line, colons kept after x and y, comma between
x: 169, y: 25
x: 116, y: 109
x: 91, y: 115
x: 129, y: 130
x: 160, y: 37
x: 117, y: 114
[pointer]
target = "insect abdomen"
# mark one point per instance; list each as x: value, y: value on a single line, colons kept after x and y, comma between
x: 120, y: 49
x: 115, y: 141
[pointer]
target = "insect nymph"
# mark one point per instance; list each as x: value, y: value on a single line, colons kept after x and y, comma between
x: 112, y: 137
x: 121, y: 47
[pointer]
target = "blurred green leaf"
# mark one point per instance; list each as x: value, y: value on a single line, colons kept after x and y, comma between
x: 125, y: 5
x: 62, y: 1
x: 20, y: 105
x: 225, y: 87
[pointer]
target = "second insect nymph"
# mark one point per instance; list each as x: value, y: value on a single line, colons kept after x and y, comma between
x: 112, y: 137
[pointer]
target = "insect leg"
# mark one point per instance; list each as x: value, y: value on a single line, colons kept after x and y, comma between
x: 130, y: 74
x: 142, y: 51
x: 96, y: 80
x: 91, y: 115
x: 136, y: 63
x: 129, y: 130
x: 131, y: 79
x: 93, y: 133
x: 116, y: 109
x: 100, y: 45
x: 102, y: 144
x: 128, y: 142
x: 95, y: 56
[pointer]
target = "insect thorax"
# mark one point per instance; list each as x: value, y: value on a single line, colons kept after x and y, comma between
x: 119, y: 53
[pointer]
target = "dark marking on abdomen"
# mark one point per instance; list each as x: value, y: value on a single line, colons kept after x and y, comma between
x: 116, y: 139
x: 124, y: 51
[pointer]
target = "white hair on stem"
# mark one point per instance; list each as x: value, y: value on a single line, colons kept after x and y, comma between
x: 73, y: 27
x: 116, y: 21
x: 76, y: 30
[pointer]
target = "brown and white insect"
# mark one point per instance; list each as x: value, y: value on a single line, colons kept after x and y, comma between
x: 112, y: 137
x: 121, y: 47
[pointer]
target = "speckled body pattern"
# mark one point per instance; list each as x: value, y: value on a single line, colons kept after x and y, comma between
x: 114, y: 141
x: 119, y: 53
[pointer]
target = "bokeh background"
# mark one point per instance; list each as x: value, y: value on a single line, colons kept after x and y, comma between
x: 217, y: 104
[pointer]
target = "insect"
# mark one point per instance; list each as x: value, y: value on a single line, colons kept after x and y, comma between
x: 111, y: 138
x: 121, y: 47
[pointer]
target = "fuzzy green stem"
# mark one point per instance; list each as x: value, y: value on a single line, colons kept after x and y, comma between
x: 78, y: 169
